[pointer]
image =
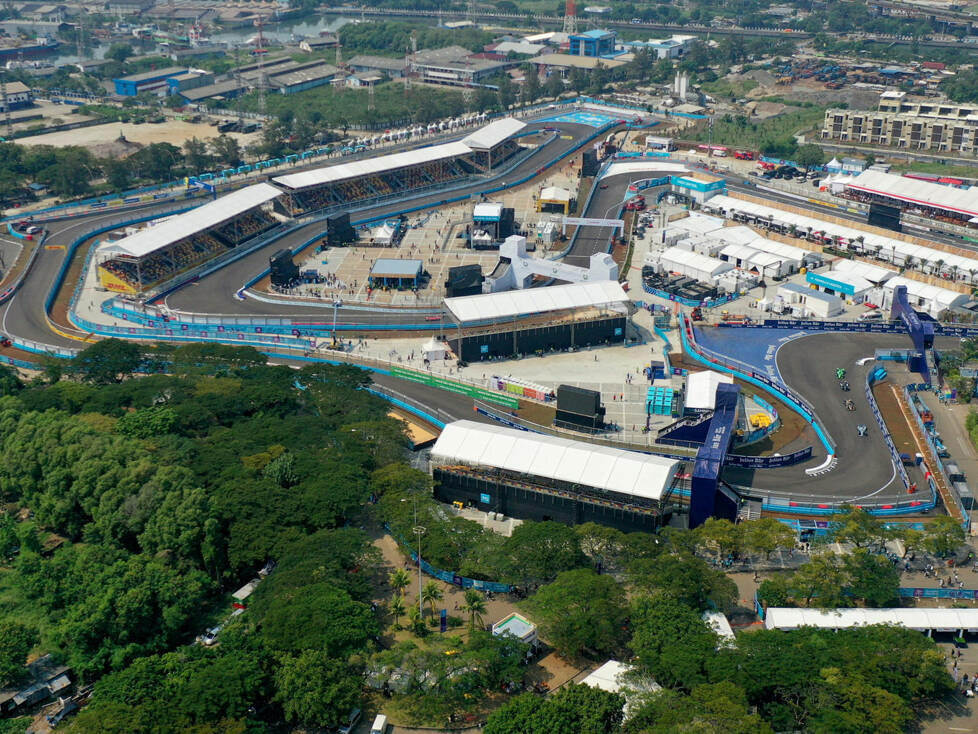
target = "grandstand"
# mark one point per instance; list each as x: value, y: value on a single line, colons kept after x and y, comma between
x: 157, y: 253
x: 921, y: 198
x: 349, y: 183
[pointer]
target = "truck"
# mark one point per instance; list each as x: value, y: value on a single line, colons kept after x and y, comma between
x: 744, y: 155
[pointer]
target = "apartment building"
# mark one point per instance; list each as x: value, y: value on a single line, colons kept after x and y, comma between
x: 905, y: 123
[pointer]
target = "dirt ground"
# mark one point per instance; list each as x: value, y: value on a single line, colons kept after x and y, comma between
x: 171, y: 131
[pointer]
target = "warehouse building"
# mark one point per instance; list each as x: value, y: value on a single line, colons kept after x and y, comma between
x: 539, y: 477
x: 147, y: 81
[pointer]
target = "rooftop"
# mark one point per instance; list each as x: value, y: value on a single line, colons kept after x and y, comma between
x: 493, y: 134
x: 153, y: 74
x: 388, y: 267
x: 512, y: 304
x: 576, y: 462
x: 193, y: 222
x: 343, y: 171
x: 378, y: 62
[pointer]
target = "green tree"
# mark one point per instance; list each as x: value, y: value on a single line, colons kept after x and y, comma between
x: 809, y: 155
x: 119, y: 52
x: 766, y: 534
x: 846, y: 703
x: 687, y: 578
x: 227, y: 150
x: 117, y: 174
x: 872, y: 578
x: 398, y: 580
x: 581, y: 613
x: 316, y: 689
x: 475, y: 607
x: 396, y: 609
x: 721, y: 535
x: 720, y: 708
x: 537, y: 551
x: 431, y: 594
x: 574, y: 709
x: 195, y: 155
x: 671, y: 641
x: 943, y: 535
x: 823, y: 581
x: 107, y: 361
x: 16, y: 640
x: 855, y: 525
x: 148, y: 422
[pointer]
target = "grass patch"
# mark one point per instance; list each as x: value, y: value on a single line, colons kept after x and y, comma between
x: 730, y: 88
x: 730, y: 130
x: 16, y: 607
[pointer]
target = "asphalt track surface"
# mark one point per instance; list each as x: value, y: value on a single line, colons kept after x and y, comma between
x: 864, y: 469
x: 808, y: 364
x: 215, y: 293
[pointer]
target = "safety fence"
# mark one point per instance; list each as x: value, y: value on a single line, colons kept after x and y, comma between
x: 813, y: 325
x: 874, y: 376
x: 769, y: 462
x: 748, y: 373
x: 908, y: 393
x: 435, y: 417
x: 449, y: 577
x: 9, y: 291
x: 705, y: 303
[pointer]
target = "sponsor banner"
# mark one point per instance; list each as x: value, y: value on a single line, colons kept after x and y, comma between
x: 443, y: 383
x: 769, y: 462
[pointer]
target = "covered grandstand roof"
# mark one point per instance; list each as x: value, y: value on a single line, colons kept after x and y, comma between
x: 914, y: 191
x: 493, y: 134
x: 917, y: 619
x: 368, y: 166
x: 193, y: 222
x: 575, y: 462
x: 512, y: 304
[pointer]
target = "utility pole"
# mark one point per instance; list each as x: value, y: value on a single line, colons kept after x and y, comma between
x: 240, y: 93
x: 80, y: 35
x: 262, y: 79
x: 370, y: 98
x: 570, y: 18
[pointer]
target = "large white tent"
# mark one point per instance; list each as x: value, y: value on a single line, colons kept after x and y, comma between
x: 923, y: 620
x: 575, y: 462
x: 514, y: 304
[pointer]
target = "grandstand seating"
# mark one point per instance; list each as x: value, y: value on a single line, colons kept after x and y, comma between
x: 161, y: 264
x: 379, y: 184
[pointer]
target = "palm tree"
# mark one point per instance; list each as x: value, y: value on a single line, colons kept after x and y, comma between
x: 396, y: 608
x: 430, y: 594
x: 475, y: 605
x: 399, y: 580
x: 416, y: 620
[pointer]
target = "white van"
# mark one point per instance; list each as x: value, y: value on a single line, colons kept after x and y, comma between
x: 379, y: 725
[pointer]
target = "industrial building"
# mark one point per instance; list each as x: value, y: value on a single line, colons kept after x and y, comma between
x: 454, y: 66
x: 190, y: 80
x: 309, y: 76
x: 594, y: 43
x: 394, y: 68
x: 19, y: 96
x: 147, y: 81
x: 492, y: 325
x: 539, y: 477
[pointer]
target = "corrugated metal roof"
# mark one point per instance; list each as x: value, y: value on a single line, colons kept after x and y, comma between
x: 344, y: 171
x: 512, y: 304
x: 196, y: 220
x: 494, y: 133
x: 576, y: 462
x: 388, y: 267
